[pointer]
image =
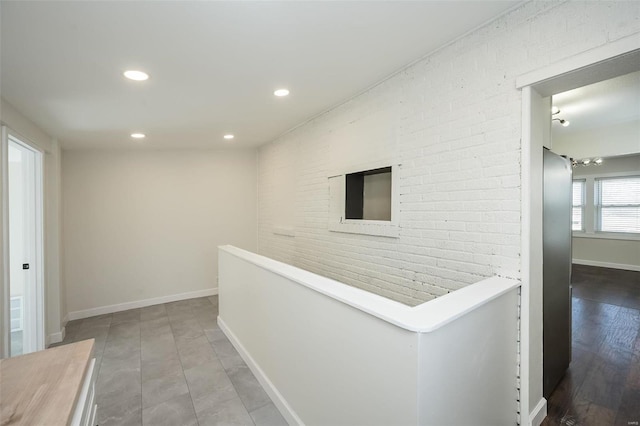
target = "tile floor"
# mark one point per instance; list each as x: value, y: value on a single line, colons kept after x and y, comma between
x: 171, y: 365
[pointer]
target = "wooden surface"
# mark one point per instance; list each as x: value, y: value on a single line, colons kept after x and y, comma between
x: 602, y: 385
x: 42, y: 388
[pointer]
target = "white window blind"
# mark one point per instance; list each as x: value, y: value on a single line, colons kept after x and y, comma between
x: 618, y: 204
x: 577, y: 222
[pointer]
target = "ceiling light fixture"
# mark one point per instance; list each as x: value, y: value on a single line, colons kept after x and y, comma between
x: 228, y: 136
x: 587, y: 162
x: 138, y: 135
x: 281, y: 92
x: 564, y: 123
x: 136, y: 75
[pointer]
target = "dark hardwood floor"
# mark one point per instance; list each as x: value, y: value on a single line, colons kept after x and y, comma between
x: 602, y: 385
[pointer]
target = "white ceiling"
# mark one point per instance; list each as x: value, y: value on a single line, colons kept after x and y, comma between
x: 213, y: 65
x: 599, y: 105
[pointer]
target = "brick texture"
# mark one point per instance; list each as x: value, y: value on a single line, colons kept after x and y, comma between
x: 453, y: 122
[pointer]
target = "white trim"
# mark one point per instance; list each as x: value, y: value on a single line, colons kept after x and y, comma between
x: 285, y: 231
x: 283, y: 406
x: 588, y: 67
x: 595, y: 176
x: 623, y: 266
x: 360, y: 167
x: 65, y: 320
x: 379, y: 228
x: 525, y: 258
x: 539, y: 413
x: 376, y: 228
x: 85, y: 404
x: 579, y: 61
x: 101, y: 310
x: 39, y: 255
x: 4, y: 217
x: 606, y: 235
x: 55, y: 337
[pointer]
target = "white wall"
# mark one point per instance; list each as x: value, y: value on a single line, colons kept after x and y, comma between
x: 605, y: 249
x: 31, y: 133
x: 146, y: 224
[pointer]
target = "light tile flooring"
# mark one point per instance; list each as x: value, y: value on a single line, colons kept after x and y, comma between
x: 170, y: 364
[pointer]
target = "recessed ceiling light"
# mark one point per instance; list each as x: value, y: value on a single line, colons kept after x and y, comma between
x: 228, y: 136
x: 138, y: 135
x: 281, y: 92
x: 136, y: 75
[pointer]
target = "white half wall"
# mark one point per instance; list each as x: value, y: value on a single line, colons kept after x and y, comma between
x: 144, y: 225
x: 331, y: 354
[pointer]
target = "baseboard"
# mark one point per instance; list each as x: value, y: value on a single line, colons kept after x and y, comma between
x: 539, y: 413
x: 55, y: 337
x: 283, y: 406
x: 140, y: 304
x: 607, y: 264
x: 65, y: 320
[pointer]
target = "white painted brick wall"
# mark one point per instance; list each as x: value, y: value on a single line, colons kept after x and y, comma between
x: 453, y: 122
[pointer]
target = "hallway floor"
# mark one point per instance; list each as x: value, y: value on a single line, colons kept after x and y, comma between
x: 602, y: 385
x: 170, y: 364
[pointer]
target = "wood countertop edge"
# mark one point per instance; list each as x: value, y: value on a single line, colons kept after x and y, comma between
x: 50, y: 391
x: 87, y: 363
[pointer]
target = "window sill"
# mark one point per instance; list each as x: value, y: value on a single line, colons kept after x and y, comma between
x: 367, y: 227
x: 284, y: 231
x: 607, y: 236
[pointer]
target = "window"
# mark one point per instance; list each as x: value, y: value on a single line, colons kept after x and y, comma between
x: 577, y: 221
x: 17, y: 310
x: 618, y: 204
x: 364, y: 200
x: 368, y: 195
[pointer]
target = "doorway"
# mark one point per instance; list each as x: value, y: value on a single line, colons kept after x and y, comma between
x: 23, y: 201
x: 602, y: 140
x: 612, y: 60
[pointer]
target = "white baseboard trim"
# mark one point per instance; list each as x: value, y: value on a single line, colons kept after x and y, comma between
x: 65, y: 320
x: 101, y: 310
x: 283, y: 406
x: 606, y: 264
x: 539, y: 413
x: 55, y: 337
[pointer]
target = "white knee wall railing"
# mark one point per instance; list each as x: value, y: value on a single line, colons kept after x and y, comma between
x: 331, y: 354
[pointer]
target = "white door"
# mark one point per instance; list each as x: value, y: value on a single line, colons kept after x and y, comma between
x: 24, y: 208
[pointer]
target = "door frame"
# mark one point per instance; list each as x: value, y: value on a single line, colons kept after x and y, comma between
x: 608, y: 61
x: 38, y: 260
